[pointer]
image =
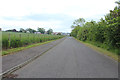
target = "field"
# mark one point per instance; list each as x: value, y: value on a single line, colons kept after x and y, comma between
x: 14, y: 40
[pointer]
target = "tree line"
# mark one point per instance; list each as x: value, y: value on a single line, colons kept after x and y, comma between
x: 41, y: 30
x: 105, y: 32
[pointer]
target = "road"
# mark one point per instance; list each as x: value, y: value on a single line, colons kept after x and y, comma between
x: 11, y: 60
x: 70, y: 59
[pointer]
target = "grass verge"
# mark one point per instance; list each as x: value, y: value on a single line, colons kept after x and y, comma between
x: 13, y: 50
x: 101, y: 50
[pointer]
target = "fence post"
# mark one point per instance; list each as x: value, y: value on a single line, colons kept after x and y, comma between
x: 34, y: 38
x: 20, y: 36
x: 28, y: 36
x: 9, y: 40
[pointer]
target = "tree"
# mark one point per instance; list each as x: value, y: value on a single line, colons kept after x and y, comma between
x: 58, y: 33
x: 112, y: 33
x: 75, y: 31
x: 13, y: 30
x: 31, y: 30
x: 49, y: 31
x: 22, y: 30
x: 76, y: 26
x: 41, y: 30
x: 118, y: 2
x: 79, y: 22
x: 105, y: 33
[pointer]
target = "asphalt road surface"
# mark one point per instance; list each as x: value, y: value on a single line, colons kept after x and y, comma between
x: 11, y: 60
x: 70, y: 59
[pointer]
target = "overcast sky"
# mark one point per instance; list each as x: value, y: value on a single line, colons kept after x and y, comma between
x: 56, y: 14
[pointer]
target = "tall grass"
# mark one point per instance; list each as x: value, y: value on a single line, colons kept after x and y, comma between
x: 13, y: 39
x: 0, y: 41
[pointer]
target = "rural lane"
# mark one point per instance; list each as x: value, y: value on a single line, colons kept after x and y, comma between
x: 12, y: 60
x: 70, y: 59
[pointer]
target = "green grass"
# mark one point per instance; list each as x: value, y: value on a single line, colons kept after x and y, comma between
x: 109, y: 48
x: 92, y: 45
x: 13, y: 50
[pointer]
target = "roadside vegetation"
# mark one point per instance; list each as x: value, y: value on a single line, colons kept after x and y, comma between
x: 104, y: 34
x: 0, y: 41
x: 13, y: 40
x: 13, y: 50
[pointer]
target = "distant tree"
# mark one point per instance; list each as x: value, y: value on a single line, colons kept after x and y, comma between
x: 13, y: 30
x: 49, y: 31
x: 22, y: 30
x: 41, y: 30
x: 31, y: 30
x: 59, y: 34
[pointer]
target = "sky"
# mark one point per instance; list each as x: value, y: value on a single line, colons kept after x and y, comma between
x: 58, y: 15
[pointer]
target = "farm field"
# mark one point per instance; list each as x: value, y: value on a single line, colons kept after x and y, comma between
x: 14, y: 40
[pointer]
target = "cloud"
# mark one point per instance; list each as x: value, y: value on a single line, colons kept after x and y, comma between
x: 40, y: 17
x: 58, y: 22
x: 55, y: 14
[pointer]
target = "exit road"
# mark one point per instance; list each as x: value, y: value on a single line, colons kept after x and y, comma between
x: 70, y: 59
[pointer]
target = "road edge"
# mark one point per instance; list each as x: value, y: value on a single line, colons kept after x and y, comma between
x: 7, y: 72
x: 116, y: 60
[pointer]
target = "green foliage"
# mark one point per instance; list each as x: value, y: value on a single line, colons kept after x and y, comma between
x: 79, y: 22
x: 22, y: 30
x: 31, y: 30
x: 59, y: 34
x: 75, y: 31
x: 106, y: 31
x: 14, y: 39
x: 42, y: 30
x: 49, y: 31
